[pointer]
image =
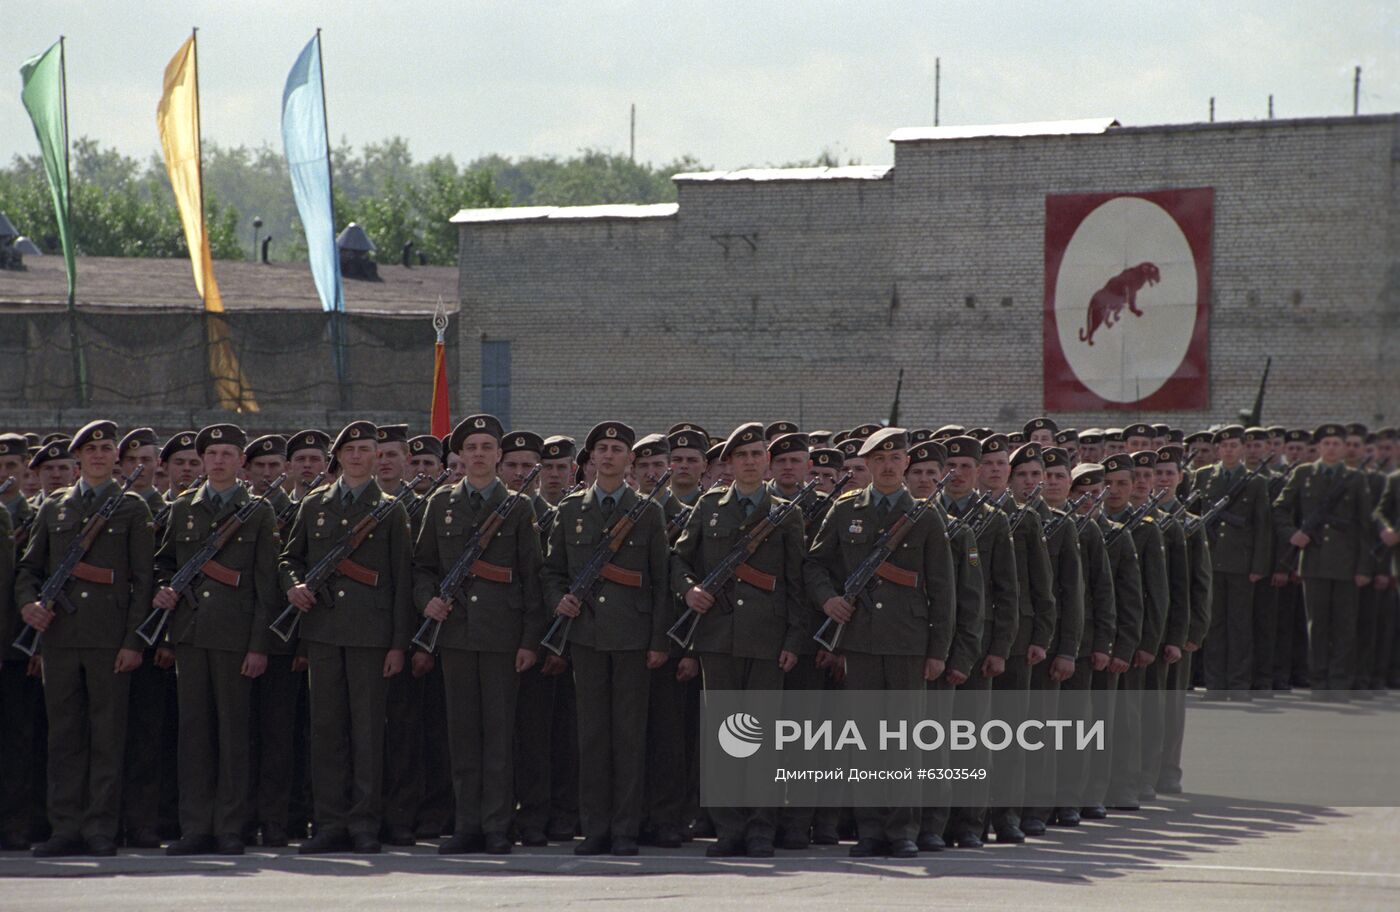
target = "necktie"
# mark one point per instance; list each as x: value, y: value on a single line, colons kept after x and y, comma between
x: 88, y: 497
x: 476, y: 500
x: 347, y: 498
x: 748, y: 507
x: 608, y: 507
x: 882, y: 509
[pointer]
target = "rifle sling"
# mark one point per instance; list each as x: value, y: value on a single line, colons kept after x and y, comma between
x: 494, y: 573
x: 615, y: 574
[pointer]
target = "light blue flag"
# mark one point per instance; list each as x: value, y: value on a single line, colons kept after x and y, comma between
x: 307, y: 146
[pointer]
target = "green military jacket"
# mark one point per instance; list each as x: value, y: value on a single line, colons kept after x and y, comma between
x: 1341, y: 549
x: 349, y: 612
x: 1156, y: 589
x: 993, y: 552
x: 1241, y: 538
x: 1035, y: 581
x: 233, y: 615
x: 1100, y: 604
x: 748, y: 619
x: 616, y: 617
x: 107, y: 615
x: 496, y: 615
x: 1127, y: 588
x: 967, y: 616
x: 1202, y: 575
x: 1062, y: 549
x: 18, y: 527
x: 1177, y: 552
x: 1387, y: 516
x: 893, y: 619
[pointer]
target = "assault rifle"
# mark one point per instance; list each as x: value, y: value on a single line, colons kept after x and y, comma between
x: 289, y: 512
x: 1319, y: 518
x: 1135, y: 520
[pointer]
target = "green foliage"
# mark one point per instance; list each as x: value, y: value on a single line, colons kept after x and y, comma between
x: 122, y: 207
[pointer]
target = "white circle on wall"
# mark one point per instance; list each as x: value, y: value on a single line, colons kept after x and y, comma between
x: 1128, y: 253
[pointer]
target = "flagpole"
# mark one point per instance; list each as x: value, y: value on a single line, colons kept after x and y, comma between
x: 209, y: 379
x: 337, y: 312
x: 79, y: 380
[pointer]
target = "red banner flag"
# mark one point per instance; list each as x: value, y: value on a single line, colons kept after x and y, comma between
x: 441, y: 413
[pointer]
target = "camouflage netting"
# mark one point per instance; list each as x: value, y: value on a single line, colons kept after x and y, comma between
x: 154, y: 359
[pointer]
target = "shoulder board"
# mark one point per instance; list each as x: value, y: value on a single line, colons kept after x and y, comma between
x: 847, y: 495
x: 1149, y: 519
x: 714, y: 494
x: 577, y: 495
x: 319, y: 489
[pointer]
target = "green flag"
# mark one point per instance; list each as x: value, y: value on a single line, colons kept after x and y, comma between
x: 43, y: 96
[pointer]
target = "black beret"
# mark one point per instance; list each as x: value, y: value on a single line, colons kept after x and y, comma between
x: 789, y: 443
x: 1016, y: 438
x: 1138, y: 430
x: 1086, y: 473
x: 522, y: 442
x: 1118, y: 462
x: 1161, y: 430
x: 267, y: 445
x: 391, y: 433
x: 919, y: 435
x: 688, y: 440
x: 101, y: 429
x: 1229, y: 432
x: 489, y: 425
x: 1328, y: 430
x: 558, y: 447
x: 688, y: 426
x: 970, y: 447
x: 1145, y: 459
x: 778, y: 429
x: 1176, y: 435
x: 425, y: 443
x: 743, y: 435
x: 1297, y: 435
x: 230, y: 434
x: 1068, y: 435
x: 885, y: 440
x: 981, y: 433
x: 31, y: 439
x: 135, y: 439
x: 819, y: 438
x: 651, y: 445
x: 610, y: 430
x: 862, y: 431
x: 49, y: 452
x: 948, y: 430
x: 50, y: 438
x: 996, y: 443
x: 1171, y: 454
x: 1277, y: 430
x: 353, y: 432
x: 309, y: 439
x: 1385, y: 433
x: 928, y: 451
x: 1040, y: 424
x: 828, y: 458
x: 13, y: 445
x: 1114, y: 434
x: 712, y: 454
x: 1199, y: 437
x: 1357, y: 429
x: 1029, y: 452
x: 1055, y: 457
x: 849, y: 448
x: 1091, y: 436
x: 177, y: 443
x: 1256, y: 433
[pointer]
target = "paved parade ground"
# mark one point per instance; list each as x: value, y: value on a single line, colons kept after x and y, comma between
x: 1239, y: 857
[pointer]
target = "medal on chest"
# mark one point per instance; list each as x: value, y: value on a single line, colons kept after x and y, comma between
x: 857, y: 526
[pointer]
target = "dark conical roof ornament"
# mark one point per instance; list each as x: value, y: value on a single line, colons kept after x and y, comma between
x: 354, y: 240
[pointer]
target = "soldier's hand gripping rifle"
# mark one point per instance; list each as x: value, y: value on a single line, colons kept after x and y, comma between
x: 72, y: 565
x: 735, y: 565
x: 416, y: 505
x: 600, y: 567
x: 289, y: 512
x: 858, y: 582
x: 336, y: 560
x: 203, y: 564
x: 1083, y: 519
x: 469, y: 567
x: 1314, y: 522
x: 1220, y: 510
x: 1135, y: 520
x: 817, y: 507
x: 1025, y: 508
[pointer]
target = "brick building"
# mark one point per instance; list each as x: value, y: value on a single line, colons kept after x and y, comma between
x: 800, y: 293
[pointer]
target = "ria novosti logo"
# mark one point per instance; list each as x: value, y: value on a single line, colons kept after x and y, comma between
x: 741, y: 735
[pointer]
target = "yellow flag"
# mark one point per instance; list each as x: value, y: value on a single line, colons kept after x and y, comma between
x: 177, y: 118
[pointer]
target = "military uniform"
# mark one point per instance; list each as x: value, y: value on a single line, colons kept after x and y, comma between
x: 886, y: 648
x: 346, y: 635
x: 1337, y: 554
x: 503, y: 613
x: 218, y: 622
x: 1387, y: 516
x: 608, y: 645
x: 757, y: 616
x: 86, y: 701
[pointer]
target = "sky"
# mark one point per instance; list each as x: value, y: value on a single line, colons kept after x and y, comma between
x: 733, y: 84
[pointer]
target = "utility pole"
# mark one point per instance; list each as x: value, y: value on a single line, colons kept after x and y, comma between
x: 1271, y: 107
x: 1356, y: 93
x: 1212, y: 109
x: 632, y: 147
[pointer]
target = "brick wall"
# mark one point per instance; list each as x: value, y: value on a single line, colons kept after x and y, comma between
x: 801, y: 299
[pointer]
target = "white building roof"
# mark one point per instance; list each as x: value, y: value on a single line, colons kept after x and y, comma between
x: 540, y: 213
x: 844, y: 172
x: 1043, y: 128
